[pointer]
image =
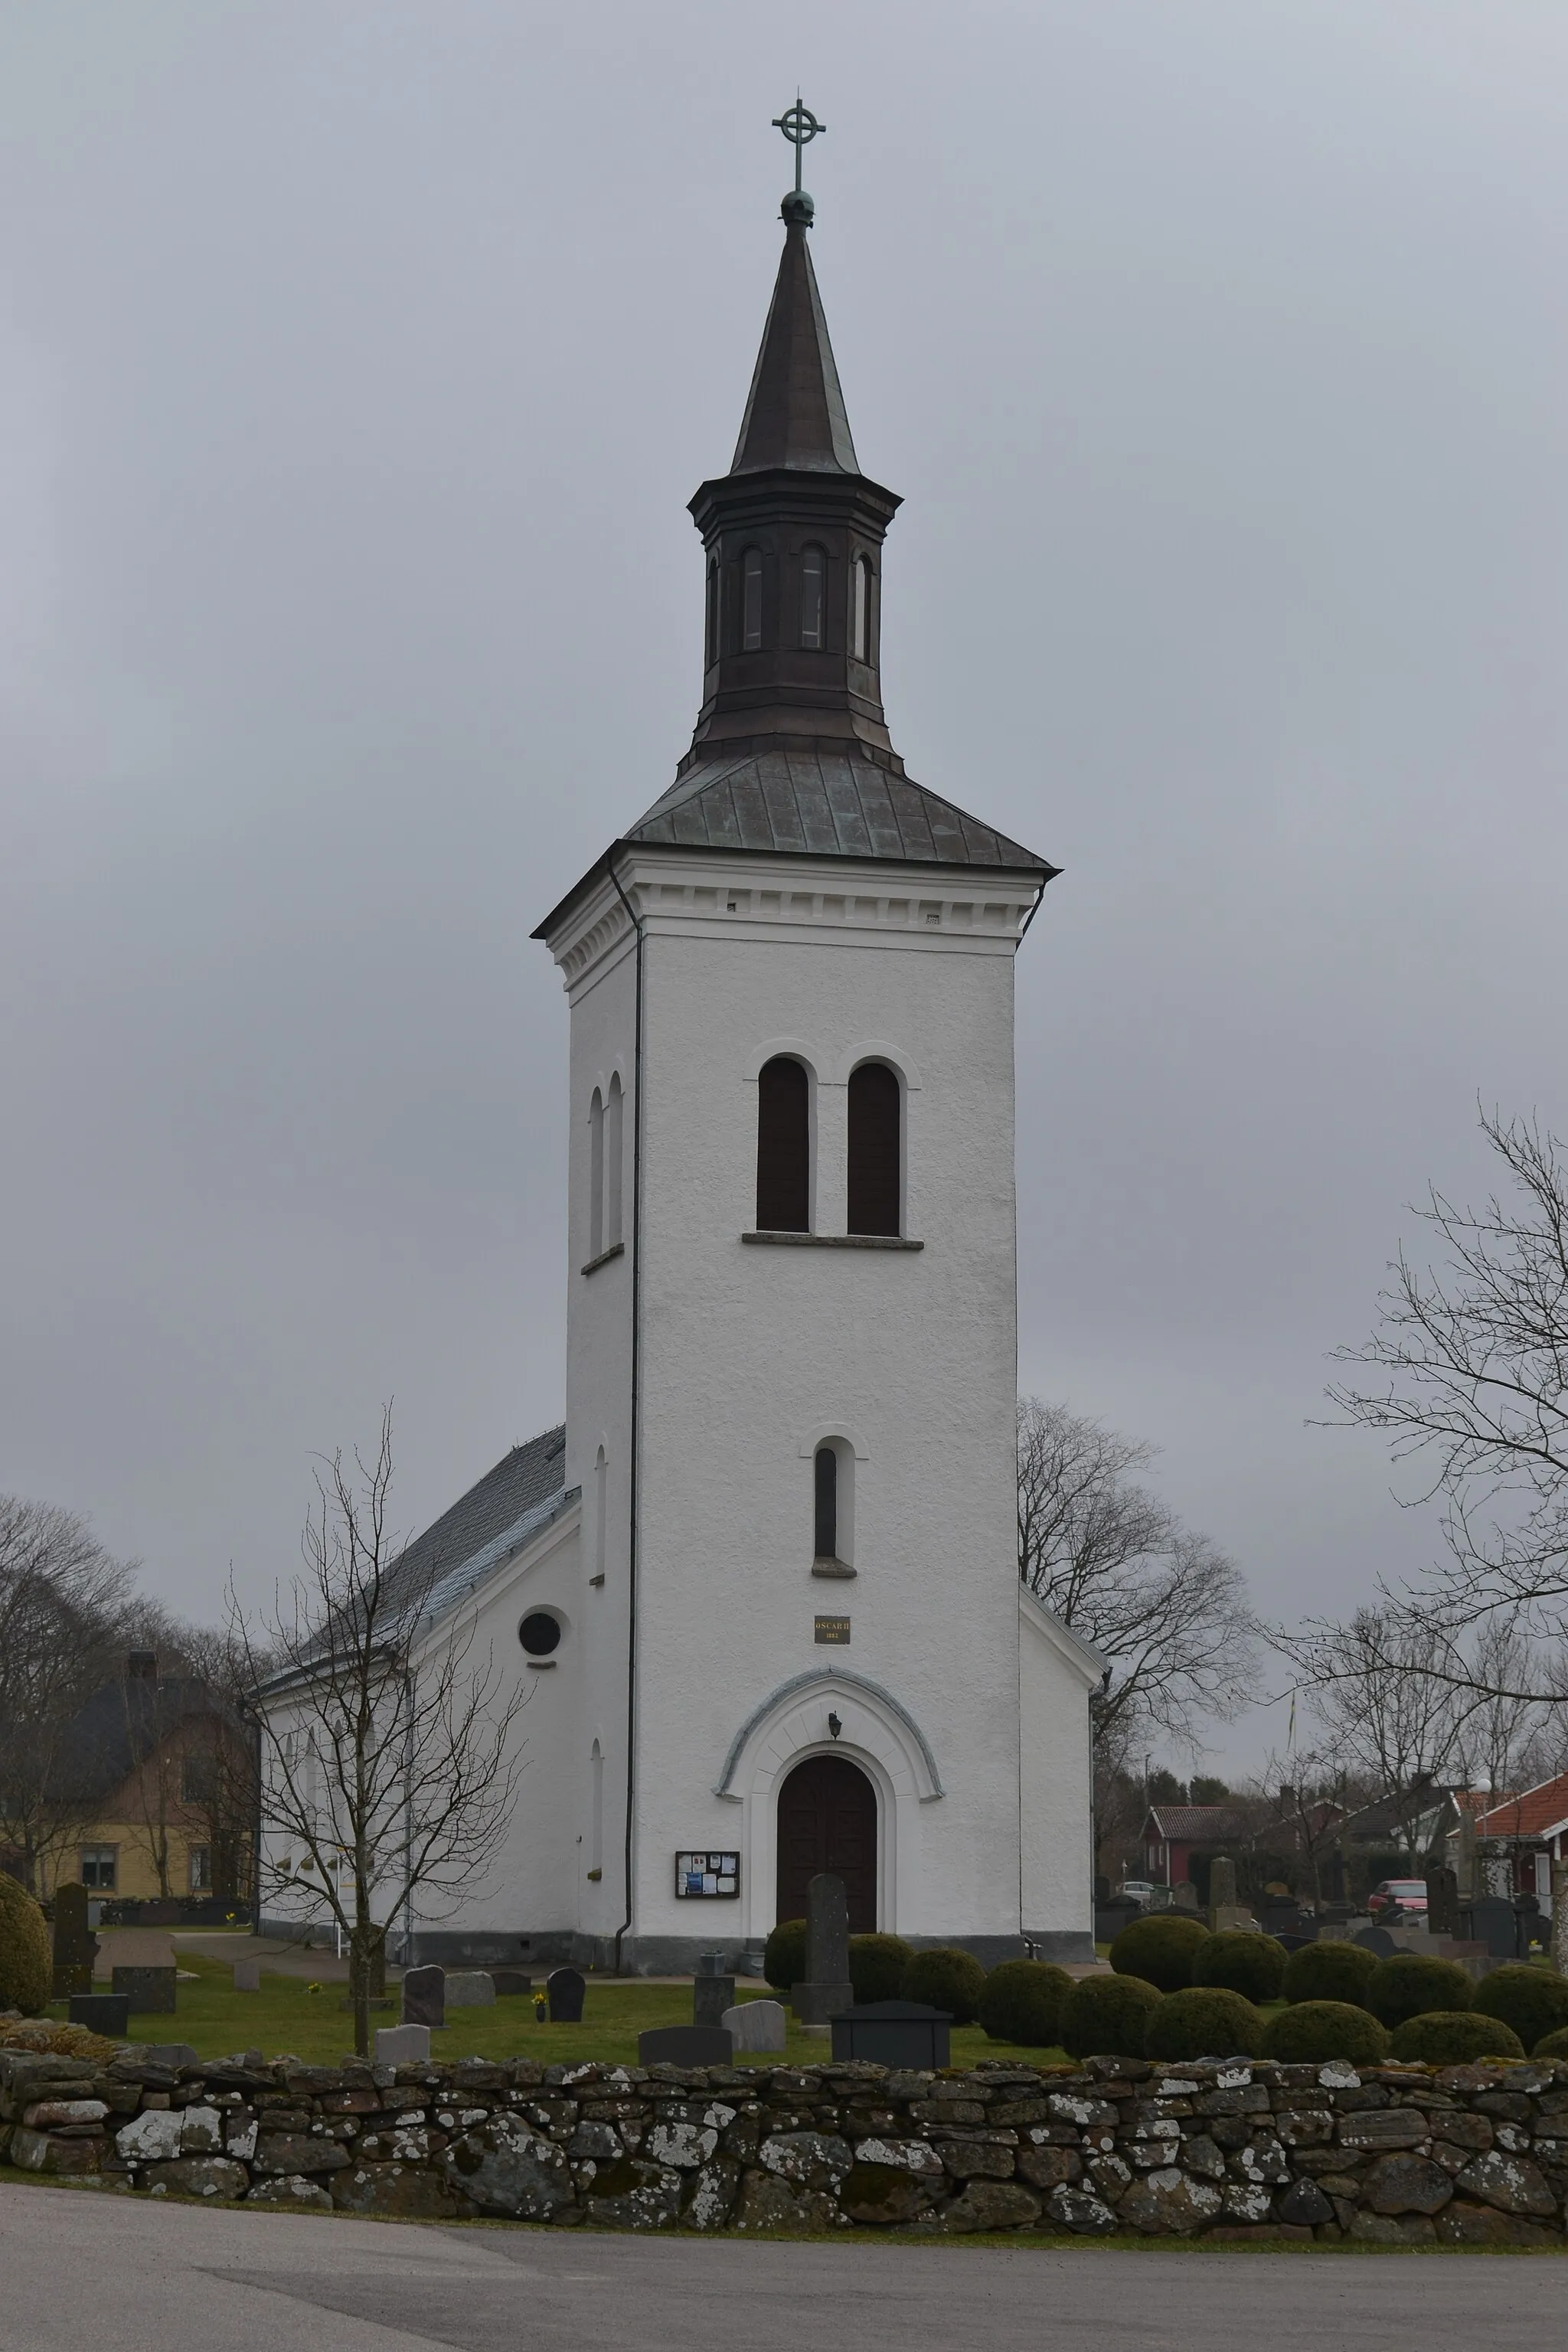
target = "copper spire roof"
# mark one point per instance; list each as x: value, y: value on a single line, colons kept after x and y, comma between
x: 795, y: 411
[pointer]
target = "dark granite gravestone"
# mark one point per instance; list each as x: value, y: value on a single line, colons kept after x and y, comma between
x: 1442, y: 1900
x: 424, y: 1997
x: 565, y: 1989
x: 1376, y: 1939
x: 150, y: 1992
x: 510, y: 1980
x: 685, y: 2045
x: 893, y: 2034
x: 107, y: 2013
x: 1491, y: 1921
x: 75, y: 1945
x: 1288, y: 1943
x: 711, y: 1997
x: 825, y: 1988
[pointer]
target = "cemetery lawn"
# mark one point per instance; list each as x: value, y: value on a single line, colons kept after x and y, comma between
x: 286, y: 2015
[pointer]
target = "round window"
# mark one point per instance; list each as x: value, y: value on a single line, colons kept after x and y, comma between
x: 539, y: 1633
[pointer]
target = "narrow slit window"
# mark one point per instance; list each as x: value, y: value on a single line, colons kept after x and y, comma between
x: 601, y: 1510
x: 751, y: 600
x: 862, y: 631
x: 613, y: 1165
x: 875, y: 1150
x: 710, y: 631
x: 783, y: 1147
x: 595, y: 1176
x: 813, y: 572
x: 827, y: 1503
x: 596, y: 1821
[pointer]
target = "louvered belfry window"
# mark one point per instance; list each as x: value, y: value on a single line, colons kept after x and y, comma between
x: 784, y: 1147
x: 874, y: 1153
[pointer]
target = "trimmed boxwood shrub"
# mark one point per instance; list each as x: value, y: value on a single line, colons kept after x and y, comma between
x: 1104, y: 2017
x: 27, y: 1967
x: 783, y: 1955
x: 1203, y: 2021
x: 1334, y: 1971
x: 1534, y: 2001
x: 1452, y: 2037
x: 1554, y: 2046
x: 1247, y: 1963
x: 1312, y: 2031
x: 876, y: 1966
x: 1408, y: 1984
x: 947, y: 1977
x: 1160, y: 1949
x: 1023, y: 2002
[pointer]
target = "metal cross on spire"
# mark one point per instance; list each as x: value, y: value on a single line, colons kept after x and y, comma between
x: 799, y: 126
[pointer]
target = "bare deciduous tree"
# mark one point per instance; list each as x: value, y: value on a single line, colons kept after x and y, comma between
x: 62, y: 1599
x: 1163, y: 1605
x: 1384, y: 1689
x: 388, y: 1763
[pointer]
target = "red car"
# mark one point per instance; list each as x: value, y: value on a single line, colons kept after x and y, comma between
x: 1397, y: 1895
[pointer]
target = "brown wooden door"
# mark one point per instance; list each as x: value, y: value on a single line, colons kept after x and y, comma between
x: 827, y: 1821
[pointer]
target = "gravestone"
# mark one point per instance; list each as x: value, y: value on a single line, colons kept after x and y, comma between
x: 565, y: 1989
x: 469, y: 1988
x: 685, y: 2045
x: 1489, y: 1921
x: 711, y: 1997
x: 248, y: 1975
x: 756, y: 2024
x: 403, y: 2045
x: 424, y: 1997
x: 75, y: 1945
x: 1442, y: 1899
x: 107, y: 2013
x: 508, y: 1981
x: 1225, y: 1911
x: 825, y: 1988
x: 903, y: 2033
x: 1186, y: 1896
x: 150, y: 1992
x: 133, y: 1947
x: 1375, y: 1940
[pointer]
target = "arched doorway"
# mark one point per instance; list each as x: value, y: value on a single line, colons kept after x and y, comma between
x: 827, y: 1821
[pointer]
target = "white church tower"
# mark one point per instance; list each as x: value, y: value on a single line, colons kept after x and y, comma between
x: 800, y: 1638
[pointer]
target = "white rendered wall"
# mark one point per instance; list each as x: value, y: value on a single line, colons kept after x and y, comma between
x: 1055, y: 1682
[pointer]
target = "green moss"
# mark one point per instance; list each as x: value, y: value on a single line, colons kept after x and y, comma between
x: 1160, y: 1949
x: 1312, y: 2030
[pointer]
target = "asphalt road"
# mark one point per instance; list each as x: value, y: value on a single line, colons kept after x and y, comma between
x: 79, y: 2267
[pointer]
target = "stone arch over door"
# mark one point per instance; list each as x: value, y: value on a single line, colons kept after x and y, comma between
x: 827, y: 1821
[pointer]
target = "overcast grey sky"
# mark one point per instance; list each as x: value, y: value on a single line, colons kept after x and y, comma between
x: 357, y: 358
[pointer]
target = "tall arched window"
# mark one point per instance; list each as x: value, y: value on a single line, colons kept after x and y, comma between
x: 595, y: 1176
x: 826, y: 1470
x: 875, y: 1119
x: 613, y: 1164
x: 751, y: 600
x: 861, y: 633
x: 783, y: 1147
x: 711, y: 630
x: 813, y: 587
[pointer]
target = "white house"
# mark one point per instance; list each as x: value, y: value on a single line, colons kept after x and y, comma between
x: 763, y: 1581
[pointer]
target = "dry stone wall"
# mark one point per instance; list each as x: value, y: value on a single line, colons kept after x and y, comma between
x: 1458, y: 2154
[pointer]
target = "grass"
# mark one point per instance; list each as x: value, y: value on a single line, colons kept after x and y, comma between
x: 286, y: 2015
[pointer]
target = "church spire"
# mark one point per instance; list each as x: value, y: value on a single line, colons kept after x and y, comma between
x: 795, y: 411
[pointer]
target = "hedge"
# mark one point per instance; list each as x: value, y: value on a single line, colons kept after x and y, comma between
x: 1334, y: 1971
x: 1452, y: 2037
x: 1160, y: 1949
x: 876, y: 1966
x: 1247, y: 1963
x: 1203, y: 2021
x: 1312, y: 2030
x: 1554, y: 2046
x: 1104, y: 2017
x: 27, y: 1963
x: 783, y: 1955
x: 1534, y: 2001
x: 1023, y: 2002
x: 946, y: 1978
x: 1408, y: 1984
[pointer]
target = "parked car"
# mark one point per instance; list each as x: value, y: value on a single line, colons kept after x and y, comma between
x: 1137, y: 1890
x: 1395, y: 1896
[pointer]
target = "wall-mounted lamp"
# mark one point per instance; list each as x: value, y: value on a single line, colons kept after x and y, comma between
x: 834, y: 1726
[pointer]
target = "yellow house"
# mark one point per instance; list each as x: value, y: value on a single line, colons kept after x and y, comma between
x: 154, y: 1797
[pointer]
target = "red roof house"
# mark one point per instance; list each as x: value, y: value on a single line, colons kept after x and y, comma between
x: 1527, y: 1833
